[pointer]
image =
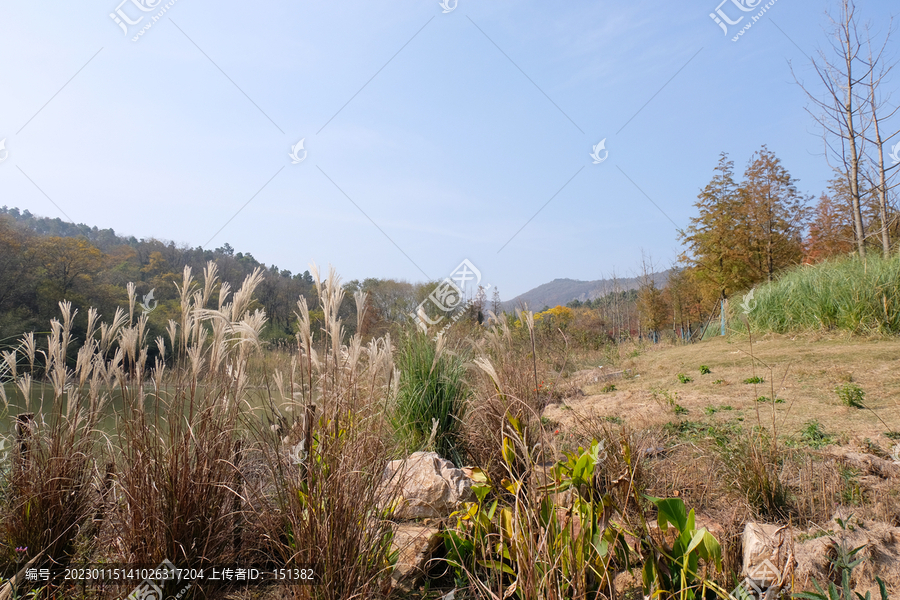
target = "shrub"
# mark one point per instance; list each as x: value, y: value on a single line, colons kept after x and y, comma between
x: 851, y: 395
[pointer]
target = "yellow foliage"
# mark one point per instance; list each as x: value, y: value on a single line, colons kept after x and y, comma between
x: 558, y: 315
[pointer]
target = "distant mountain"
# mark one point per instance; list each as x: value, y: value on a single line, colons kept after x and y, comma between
x: 563, y: 291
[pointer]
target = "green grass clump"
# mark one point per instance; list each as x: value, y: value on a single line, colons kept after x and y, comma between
x: 845, y: 293
x: 755, y: 379
x: 767, y: 399
x: 814, y: 436
x: 851, y: 395
x: 431, y: 398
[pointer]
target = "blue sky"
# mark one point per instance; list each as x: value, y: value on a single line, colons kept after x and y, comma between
x: 449, y: 131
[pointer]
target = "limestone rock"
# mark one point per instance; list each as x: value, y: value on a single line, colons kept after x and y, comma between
x: 414, y: 544
x: 424, y: 486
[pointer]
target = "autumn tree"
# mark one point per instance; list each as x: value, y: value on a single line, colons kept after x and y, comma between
x: 64, y: 261
x: 831, y: 226
x: 716, y: 243
x: 773, y: 216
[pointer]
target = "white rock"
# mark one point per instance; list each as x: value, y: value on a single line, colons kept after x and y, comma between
x: 424, y: 486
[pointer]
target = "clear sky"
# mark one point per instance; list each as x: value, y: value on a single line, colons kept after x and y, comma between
x: 429, y: 137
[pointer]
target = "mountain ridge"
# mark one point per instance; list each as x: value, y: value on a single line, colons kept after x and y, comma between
x: 563, y: 290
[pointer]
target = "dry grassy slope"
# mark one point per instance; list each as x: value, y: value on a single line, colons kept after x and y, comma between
x: 805, y: 370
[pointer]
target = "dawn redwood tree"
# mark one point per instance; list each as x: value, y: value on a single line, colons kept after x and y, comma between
x: 774, y: 216
x: 716, y: 241
x: 830, y: 233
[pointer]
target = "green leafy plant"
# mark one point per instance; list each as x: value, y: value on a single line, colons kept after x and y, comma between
x: 844, y: 561
x: 814, y: 436
x: 609, y: 387
x: 536, y: 542
x: 684, y: 378
x: 755, y: 379
x: 705, y: 370
x: 675, y: 571
x: 767, y: 399
x: 718, y: 382
x: 851, y: 395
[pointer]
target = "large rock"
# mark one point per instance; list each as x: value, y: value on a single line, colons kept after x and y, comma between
x: 414, y: 544
x: 424, y: 486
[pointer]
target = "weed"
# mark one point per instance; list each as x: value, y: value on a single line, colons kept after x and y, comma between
x: 609, y: 387
x: 613, y: 419
x: 718, y: 382
x: 755, y: 379
x: 668, y: 399
x: 892, y: 435
x: 684, y: 378
x: 726, y: 407
x: 851, y: 492
x: 710, y: 410
x: 767, y: 399
x: 843, y: 560
x: 705, y: 370
x: 851, y: 395
x: 754, y: 466
x: 813, y: 435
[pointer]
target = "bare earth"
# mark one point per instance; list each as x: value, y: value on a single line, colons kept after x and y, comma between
x: 802, y: 370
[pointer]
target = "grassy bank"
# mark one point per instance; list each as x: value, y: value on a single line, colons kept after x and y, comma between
x: 847, y: 294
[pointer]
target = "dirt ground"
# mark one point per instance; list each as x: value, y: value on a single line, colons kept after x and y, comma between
x: 802, y: 371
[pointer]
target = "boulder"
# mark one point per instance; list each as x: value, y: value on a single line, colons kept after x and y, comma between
x: 424, y: 486
x: 414, y: 544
